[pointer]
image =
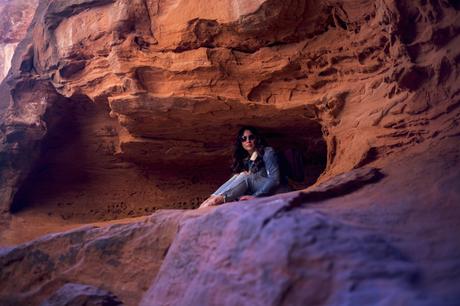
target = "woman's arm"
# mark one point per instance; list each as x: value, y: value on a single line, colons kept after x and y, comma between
x: 273, y: 173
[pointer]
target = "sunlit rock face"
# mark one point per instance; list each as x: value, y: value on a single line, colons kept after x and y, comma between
x: 175, y: 99
x: 6, y: 54
x: 15, y: 18
x: 157, y: 89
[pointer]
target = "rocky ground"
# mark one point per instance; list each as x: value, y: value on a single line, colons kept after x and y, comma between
x: 357, y: 239
x: 118, y: 109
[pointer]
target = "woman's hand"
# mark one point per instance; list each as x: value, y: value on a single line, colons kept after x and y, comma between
x: 247, y: 197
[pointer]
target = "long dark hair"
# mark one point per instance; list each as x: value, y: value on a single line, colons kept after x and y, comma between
x: 239, y: 153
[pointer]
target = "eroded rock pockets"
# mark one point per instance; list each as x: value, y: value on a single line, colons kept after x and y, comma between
x: 80, y: 175
x: 173, y: 77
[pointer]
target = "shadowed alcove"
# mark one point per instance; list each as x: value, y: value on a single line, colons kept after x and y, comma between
x: 92, y: 168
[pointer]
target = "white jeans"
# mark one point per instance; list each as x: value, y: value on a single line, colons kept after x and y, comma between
x: 241, y: 184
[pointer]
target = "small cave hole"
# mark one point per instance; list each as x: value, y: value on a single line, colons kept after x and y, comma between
x: 309, y: 142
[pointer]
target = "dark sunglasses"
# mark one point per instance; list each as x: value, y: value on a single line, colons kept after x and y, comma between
x: 248, y: 138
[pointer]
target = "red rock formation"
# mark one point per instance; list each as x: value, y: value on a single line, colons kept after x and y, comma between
x: 117, y: 108
x: 179, y: 93
x: 166, y: 144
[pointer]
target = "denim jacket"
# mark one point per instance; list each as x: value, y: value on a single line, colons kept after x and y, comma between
x: 267, y: 176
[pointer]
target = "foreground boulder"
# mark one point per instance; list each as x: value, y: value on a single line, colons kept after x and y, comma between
x: 122, y: 259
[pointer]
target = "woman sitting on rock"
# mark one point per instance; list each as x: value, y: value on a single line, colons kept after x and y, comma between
x: 256, y: 169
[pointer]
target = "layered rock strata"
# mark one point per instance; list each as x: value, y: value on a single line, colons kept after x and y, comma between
x: 179, y: 78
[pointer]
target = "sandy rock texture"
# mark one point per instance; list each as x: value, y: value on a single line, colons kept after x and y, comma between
x: 116, y: 108
x: 166, y: 83
x: 357, y: 239
x: 122, y: 259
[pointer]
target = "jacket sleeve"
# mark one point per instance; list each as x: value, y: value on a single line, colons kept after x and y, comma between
x: 273, y: 173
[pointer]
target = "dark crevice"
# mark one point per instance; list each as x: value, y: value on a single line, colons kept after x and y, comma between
x: 455, y: 4
x: 165, y: 252
x: 61, y: 130
x: 407, y: 28
x: 339, y: 22
x: 277, y: 43
x: 339, y: 185
x: 243, y: 50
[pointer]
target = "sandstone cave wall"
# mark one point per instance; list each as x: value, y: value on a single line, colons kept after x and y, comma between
x: 178, y: 77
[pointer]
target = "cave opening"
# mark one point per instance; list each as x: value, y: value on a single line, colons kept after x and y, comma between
x: 82, y: 176
x: 309, y: 141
